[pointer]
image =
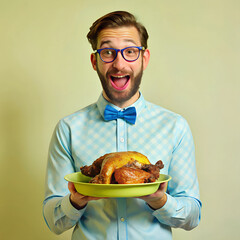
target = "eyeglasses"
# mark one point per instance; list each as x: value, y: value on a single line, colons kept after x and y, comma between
x: 130, y: 54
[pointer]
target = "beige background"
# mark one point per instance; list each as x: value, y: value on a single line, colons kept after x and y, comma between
x: 45, y: 74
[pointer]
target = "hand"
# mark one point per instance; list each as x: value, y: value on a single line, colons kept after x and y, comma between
x: 78, y: 200
x: 157, y: 199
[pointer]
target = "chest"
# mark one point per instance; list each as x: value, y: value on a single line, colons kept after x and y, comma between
x: 151, y: 138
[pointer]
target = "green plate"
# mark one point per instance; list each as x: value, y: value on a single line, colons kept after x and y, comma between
x: 83, y: 186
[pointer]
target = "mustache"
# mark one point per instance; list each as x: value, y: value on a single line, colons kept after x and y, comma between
x: 113, y: 72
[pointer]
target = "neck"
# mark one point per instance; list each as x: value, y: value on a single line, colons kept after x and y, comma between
x: 124, y: 104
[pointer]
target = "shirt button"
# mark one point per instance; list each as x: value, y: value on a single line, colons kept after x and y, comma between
x: 122, y: 219
x: 122, y: 139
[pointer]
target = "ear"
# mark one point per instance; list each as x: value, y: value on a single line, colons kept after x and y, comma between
x: 146, y: 58
x: 94, y: 61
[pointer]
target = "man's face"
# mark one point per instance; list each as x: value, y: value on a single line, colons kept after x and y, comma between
x: 120, y: 79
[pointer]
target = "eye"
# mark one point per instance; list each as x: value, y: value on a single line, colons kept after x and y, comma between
x: 107, y: 52
x: 131, y: 51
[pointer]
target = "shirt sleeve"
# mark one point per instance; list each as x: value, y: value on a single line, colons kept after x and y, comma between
x: 183, y: 207
x: 58, y: 212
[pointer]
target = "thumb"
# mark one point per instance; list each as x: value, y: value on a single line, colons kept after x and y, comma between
x: 71, y: 187
x: 163, y: 186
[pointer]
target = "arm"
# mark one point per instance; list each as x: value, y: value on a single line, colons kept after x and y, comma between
x: 58, y: 211
x: 180, y: 206
x: 178, y: 212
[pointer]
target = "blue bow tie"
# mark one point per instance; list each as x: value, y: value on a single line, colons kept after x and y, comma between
x: 129, y: 115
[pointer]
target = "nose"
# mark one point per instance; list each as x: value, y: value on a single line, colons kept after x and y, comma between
x: 119, y: 62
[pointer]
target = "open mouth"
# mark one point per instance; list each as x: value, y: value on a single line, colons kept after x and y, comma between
x: 120, y: 82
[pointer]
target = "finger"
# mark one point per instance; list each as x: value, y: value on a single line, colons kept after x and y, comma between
x: 143, y: 197
x: 97, y: 198
x: 71, y: 187
x: 74, y: 192
x: 163, y: 186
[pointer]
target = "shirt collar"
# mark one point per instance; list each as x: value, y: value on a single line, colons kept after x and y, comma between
x: 102, y: 103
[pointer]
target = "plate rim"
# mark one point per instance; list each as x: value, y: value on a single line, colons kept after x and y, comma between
x: 120, y: 185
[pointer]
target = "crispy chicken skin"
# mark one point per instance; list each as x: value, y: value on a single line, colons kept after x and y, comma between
x: 128, y: 175
x: 152, y: 170
x: 93, y: 169
x: 122, y: 167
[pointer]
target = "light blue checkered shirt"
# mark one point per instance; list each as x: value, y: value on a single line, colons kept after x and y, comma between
x: 82, y: 137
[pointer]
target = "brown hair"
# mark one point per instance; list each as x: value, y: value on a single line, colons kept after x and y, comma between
x: 114, y: 20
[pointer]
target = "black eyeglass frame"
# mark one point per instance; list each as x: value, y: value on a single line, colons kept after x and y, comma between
x: 119, y: 50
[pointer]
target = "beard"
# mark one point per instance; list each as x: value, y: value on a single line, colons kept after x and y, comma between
x: 119, y: 97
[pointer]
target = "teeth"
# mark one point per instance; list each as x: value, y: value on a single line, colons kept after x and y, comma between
x: 120, y: 76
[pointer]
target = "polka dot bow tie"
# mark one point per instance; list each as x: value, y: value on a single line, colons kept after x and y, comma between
x: 129, y: 114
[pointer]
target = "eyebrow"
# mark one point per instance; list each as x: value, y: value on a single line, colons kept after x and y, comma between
x: 108, y: 41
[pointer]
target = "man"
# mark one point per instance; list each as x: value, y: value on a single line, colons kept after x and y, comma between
x: 120, y: 57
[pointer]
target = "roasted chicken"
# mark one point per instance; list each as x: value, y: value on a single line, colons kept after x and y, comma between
x: 123, y: 168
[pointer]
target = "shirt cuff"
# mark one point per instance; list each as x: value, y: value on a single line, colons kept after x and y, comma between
x: 69, y: 210
x: 168, y: 210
